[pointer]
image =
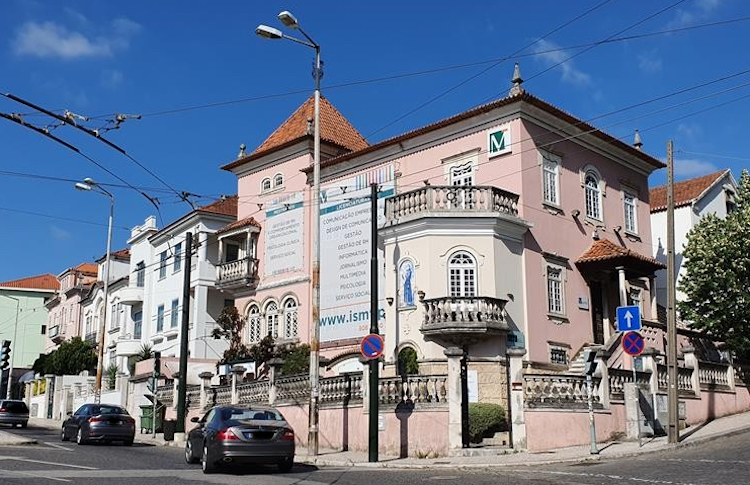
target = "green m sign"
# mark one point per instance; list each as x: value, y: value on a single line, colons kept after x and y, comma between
x: 498, y: 142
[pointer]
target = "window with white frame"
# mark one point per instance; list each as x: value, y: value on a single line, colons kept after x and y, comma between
x: 593, y: 196
x: 114, y: 323
x: 253, y: 324
x: 160, y: 318
x: 163, y: 265
x: 635, y: 297
x: 137, y: 324
x: 555, y: 289
x: 174, y: 316
x: 278, y: 181
x: 265, y: 185
x: 140, y: 274
x: 291, y: 318
x: 177, y: 262
x: 462, y: 274
x: 551, y: 178
x: 462, y: 174
x: 112, y: 359
x: 272, y: 318
x: 631, y: 216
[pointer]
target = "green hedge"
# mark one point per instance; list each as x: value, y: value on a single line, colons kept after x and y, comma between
x: 484, y: 420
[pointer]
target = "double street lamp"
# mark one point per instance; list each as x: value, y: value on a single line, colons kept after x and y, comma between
x: 88, y: 185
x: 267, y: 32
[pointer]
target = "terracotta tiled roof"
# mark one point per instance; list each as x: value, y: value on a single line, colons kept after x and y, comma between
x: 40, y: 282
x: 685, y: 192
x: 122, y: 254
x: 226, y: 206
x: 248, y: 221
x: 89, y: 268
x: 525, y: 97
x: 604, y: 249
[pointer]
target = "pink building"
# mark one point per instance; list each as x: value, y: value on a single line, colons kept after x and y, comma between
x: 65, y: 319
x: 508, y: 236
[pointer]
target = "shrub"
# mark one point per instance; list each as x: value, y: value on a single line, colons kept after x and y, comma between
x: 485, y: 418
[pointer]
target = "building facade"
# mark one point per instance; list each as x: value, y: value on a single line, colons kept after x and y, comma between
x: 65, y: 319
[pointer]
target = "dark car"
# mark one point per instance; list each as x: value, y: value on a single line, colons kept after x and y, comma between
x: 14, y: 413
x: 99, y: 422
x: 241, y: 434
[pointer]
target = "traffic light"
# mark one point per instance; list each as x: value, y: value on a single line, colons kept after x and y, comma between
x: 4, y: 354
x: 157, y: 364
x: 589, y: 362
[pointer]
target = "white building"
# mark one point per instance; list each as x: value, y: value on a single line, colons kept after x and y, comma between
x: 693, y: 199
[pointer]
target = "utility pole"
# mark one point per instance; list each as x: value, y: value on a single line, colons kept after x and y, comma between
x: 672, y: 403
x: 182, y: 383
x: 374, y: 376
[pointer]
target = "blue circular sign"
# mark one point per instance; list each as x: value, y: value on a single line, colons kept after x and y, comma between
x: 372, y: 346
x: 632, y: 343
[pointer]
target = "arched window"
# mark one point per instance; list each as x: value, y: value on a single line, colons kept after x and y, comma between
x: 253, y: 324
x: 593, y: 196
x: 291, y: 318
x: 462, y: 274
x: 278, y: 180
x: 272, y: 319
x: 265, y: 185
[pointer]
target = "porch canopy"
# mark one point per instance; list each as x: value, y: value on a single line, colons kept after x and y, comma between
x: 604, y: 256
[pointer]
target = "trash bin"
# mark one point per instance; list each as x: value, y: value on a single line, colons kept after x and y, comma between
x: 169, y: 427
x: 147, y: 419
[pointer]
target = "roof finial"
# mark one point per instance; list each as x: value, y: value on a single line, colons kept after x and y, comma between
x: 517, y: 81
x: 242, y: 153
x: 637, y: 143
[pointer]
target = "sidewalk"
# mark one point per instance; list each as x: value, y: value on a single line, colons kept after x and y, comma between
x: 10, y: 439
x: 692, y: 436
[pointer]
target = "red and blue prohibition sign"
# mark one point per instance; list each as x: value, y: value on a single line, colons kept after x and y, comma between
x: 632, y: 343
x: 372, y: 346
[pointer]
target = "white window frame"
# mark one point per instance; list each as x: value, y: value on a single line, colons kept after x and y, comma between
x: 462, y: 173
x: 592, y: 194
x: 269, y: 182
x: 275, y: 181
x: 140, y: 274
x: 465, y: 274
x: 555, y: 288
x: 290, y: 309
x: 271, y: 315
x: 162, y: 265
x: 160, y: 318
x: 174, y: 313
x: 254, y: 324
x: 550, y: 167
x: 177, y: 261
x: 634, y: 206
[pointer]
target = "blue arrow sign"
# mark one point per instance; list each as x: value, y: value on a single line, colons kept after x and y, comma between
x: 628, y: 318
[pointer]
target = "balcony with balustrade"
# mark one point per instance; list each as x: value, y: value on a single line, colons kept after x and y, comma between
x: 451, y: 201
x: 462, y: 320
x: 56, y: 334
x: 237, y: 270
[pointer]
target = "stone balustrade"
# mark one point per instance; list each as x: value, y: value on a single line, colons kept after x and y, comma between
x: 454, y: 199
x: 293, y: 389
x: 254, y: 392
x: 165, y: 394
x: 193, y: 396
x: 341, y: 389
x: 619, y: 377
x: 463, y: 315
x: 566, y: 391
x: 241, y: 270
x: 713, y: 375
x: 414, y: 389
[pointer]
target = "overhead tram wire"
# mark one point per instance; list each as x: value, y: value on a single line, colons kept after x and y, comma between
x: 35, y: 176
x: 426, y: 71
x: 70, y: 121
x: 59, y: 218
x: 485, y: 70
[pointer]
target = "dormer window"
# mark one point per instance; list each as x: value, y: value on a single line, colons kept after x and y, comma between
x: 278, y: 181
x: 265, y: 185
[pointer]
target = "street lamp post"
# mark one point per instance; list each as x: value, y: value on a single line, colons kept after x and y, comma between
x: 14, y: 342
x: 270, y: 33
x: 89, y: 185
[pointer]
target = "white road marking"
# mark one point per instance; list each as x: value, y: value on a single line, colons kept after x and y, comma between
x: 29, y: 474
x: 619, y: 478
x: 56, y: 445
x: 41, y: 462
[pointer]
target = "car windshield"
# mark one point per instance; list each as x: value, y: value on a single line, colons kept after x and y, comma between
x: 109, y: 410
x: 234, y: 416
x: 14, y: 407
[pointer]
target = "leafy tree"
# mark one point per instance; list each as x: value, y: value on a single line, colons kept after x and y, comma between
x: 42, y: 365
x: 71, y: 358
x: 146, y: 352
x: 264, y: 350
x: 230, y: 324
x: 111, y: 373
x: 296, y: 359
x: 408, y: 362
x: 717, y: 278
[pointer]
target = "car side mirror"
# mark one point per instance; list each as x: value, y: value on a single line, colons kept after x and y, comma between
x: 195, y: 419
x: 70, y: 413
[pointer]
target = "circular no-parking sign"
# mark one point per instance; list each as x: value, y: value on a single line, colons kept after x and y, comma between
x: 372, y: 346
x: 632, y: 343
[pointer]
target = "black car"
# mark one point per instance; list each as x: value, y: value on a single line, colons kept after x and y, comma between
x: 99, y: 422
x: 241, y: 434
x: 14, y: 413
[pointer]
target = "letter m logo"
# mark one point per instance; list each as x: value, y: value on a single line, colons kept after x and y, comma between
x: 498, y: 142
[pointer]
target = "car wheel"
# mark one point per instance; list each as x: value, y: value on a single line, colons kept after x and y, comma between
x: 286, y: 465
x: 64, y: 435
x: 80, y: 439
x: 207, y: 464
x: 189, y: 455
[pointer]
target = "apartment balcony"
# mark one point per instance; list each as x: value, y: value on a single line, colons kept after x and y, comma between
x: 463, y: 320
x: 127, y: 346
x: 451, y: 201
x: 237, y: 275
x: 56, y: 334
x: 131, y: 295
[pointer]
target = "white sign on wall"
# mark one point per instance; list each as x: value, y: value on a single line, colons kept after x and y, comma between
x: 498, y: 141
x: 345, y: 255
x: 284, y: 229
x: 472, y: 382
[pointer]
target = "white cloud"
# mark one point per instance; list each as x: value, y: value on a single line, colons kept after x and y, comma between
x: 649, y: 62
x: 570, y: 73
x: 689, y: 16
x: 53, y: 40
x: 693, y: 167
x: 690, y: 131
x: 112, y: 78
x: 59, y: 233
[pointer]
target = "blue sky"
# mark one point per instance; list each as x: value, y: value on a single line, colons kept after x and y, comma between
x: 141, y: 57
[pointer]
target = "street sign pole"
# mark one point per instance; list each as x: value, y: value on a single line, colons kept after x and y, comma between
x: 638, y: 400
x: 633, y: 345
x: 374, y: 376
x: 590, y: 368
